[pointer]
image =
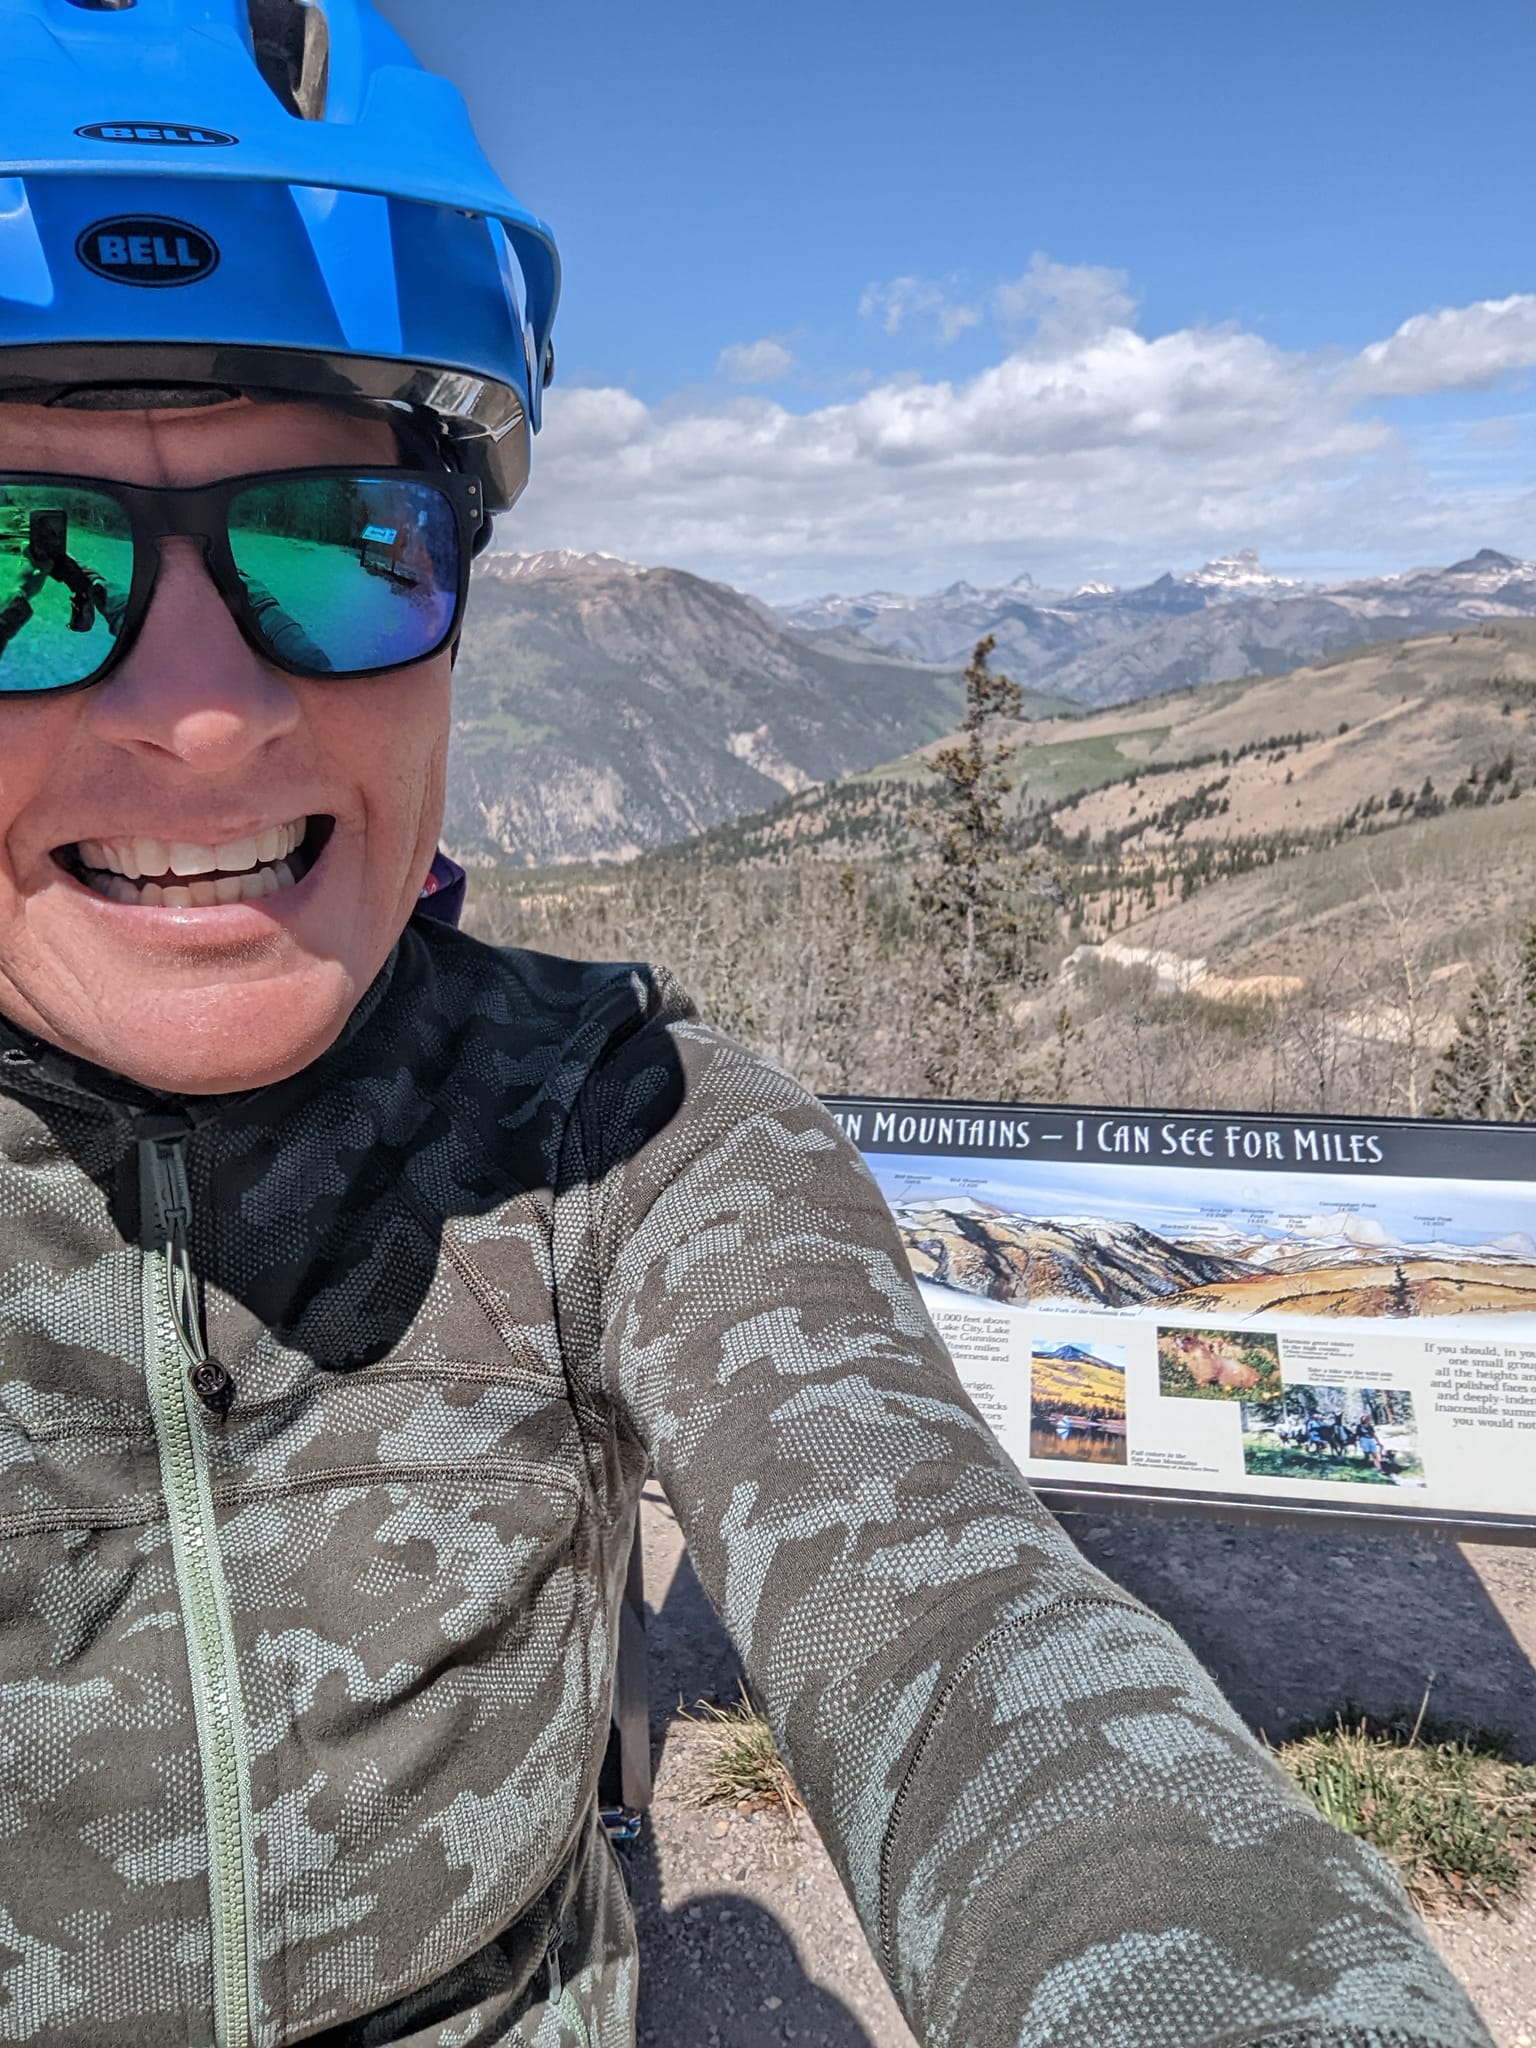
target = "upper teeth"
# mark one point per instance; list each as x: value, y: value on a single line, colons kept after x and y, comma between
x: 138, y: 857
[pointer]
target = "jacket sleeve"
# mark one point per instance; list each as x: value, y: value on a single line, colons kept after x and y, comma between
x: 1055, y: 1830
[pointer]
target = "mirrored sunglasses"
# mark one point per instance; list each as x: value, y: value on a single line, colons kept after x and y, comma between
x: 327, y: 572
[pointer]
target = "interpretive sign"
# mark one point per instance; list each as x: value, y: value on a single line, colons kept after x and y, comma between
x: 1277, y: 1314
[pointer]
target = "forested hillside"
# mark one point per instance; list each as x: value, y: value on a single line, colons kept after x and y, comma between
x: 1279, y: 894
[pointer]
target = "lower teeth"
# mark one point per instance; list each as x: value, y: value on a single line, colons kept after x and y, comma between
x: 202, y: 894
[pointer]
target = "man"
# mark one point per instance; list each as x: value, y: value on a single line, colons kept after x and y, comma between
x: 46, y: 559
x: 354, y: 1274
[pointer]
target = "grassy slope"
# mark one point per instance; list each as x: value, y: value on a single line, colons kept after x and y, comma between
x: 1466, y: 873
x: 1054, y: 1380
x: 1460, y: 881
x: 1434, y: 706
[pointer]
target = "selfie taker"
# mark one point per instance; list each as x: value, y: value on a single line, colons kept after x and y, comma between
x: 354, y: 1274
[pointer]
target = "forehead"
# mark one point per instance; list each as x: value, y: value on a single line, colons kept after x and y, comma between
x: 190, y: 447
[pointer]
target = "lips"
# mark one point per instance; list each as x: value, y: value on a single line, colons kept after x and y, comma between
x: 186, y: 875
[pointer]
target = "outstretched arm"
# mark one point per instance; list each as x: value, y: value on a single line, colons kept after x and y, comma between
x: 1055, y: 1829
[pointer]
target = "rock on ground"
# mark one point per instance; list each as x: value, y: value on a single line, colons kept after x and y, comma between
x: 746, y: 1936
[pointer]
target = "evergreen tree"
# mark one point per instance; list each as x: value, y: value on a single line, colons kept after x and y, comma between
x: 971, y: 895
x: 1400, y: 1294
x: 1489, y: 1068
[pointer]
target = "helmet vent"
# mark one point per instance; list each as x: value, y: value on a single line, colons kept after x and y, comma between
x: 104, y: 6
x: 292, y: 42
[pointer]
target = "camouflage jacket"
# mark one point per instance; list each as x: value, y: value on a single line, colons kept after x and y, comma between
x: 302, y: 1708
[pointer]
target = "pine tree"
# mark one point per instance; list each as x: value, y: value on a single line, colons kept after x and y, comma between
x: 1489, y: 1068
x: 971, y: 893
x: 1400, y: 1294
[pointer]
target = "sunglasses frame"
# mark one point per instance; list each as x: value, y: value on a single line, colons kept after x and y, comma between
x: 160, y: 512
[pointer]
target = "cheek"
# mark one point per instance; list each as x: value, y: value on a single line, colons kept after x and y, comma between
x: 389, y: 738
x: 38, y: 760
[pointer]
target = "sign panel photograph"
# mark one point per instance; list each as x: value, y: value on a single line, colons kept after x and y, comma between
x: 1291, y: 1315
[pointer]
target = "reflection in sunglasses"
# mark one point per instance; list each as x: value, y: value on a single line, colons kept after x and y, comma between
x: 39, y: 549
x: 312, y: 565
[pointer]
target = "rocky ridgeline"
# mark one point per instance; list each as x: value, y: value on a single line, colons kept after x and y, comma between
x: 1102, y: 645
x: 983, y: 1250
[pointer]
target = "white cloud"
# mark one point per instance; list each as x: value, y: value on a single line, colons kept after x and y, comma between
x: 1460, y: 348
x: 755, y: 362
x: 918, y: 302
x: 1088, y: 444
x: 1062, y: 304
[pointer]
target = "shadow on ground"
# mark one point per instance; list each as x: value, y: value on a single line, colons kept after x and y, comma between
x: 690, y: 1656
x: 1299, y: 1626
x: 721, y: 1972
x: 1296, y: 1625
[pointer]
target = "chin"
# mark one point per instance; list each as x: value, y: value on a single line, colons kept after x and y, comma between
x: 224, y: 1041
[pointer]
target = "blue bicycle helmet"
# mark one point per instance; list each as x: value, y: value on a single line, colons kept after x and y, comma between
x: 267, y: 195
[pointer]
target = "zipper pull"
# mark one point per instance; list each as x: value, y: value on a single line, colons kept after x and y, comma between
x: 213, y: 1386
x: 165, y: 1228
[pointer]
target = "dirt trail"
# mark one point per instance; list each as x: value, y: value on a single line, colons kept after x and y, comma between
x: 746, y: 1936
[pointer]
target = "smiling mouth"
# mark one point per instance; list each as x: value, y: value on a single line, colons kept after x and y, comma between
x: 180, y: 875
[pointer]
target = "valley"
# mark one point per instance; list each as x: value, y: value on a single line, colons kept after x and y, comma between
x: 601, y: 711
x: 1260, y: 892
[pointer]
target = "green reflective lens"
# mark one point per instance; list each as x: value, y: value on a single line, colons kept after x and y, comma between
x: 347, y: 574
x: 66, y: 564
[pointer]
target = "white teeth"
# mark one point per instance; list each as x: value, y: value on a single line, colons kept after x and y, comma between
x: 238, y: 856
x: 185, y: 858
x: 244, y: 871
x: 137, y: 857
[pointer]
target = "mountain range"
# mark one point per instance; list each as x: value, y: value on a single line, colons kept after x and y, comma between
x: 1232, y: 618
x: 601, y: 709
x: 1155, y: 780
x: 1341, y: 1240
x: 604, y: 709
x: 981, y: 1249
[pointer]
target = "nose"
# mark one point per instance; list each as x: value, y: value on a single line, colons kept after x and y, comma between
x: 192, y: 691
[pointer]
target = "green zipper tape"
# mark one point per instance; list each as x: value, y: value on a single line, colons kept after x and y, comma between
x: 180, y: 1433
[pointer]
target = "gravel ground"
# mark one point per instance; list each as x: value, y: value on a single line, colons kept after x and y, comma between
x: 746, y: 1936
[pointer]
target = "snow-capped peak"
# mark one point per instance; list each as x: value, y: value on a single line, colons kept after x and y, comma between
x: 556, y: 562
x: 1241, y: 574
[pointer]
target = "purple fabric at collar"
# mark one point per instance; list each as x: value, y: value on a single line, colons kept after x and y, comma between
x: 443, y: 897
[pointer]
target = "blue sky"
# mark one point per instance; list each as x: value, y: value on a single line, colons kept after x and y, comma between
x: 885, y: 294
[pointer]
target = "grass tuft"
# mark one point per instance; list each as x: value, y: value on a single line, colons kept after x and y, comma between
x: 742, y: 1766
x: 1454, y: 1814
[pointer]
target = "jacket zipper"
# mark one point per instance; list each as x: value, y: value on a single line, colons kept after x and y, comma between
x: 179, y: 1406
